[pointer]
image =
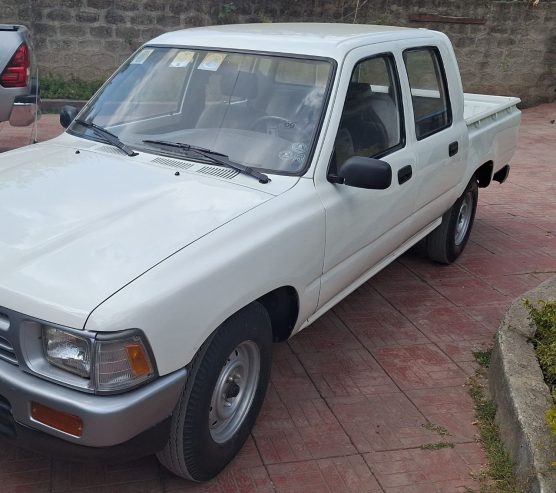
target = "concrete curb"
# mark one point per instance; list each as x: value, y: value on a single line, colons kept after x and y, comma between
x: 522, y: 398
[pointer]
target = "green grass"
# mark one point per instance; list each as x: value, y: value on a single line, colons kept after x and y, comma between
x: 499, y: 475
x: 483, y: 358
x: 543, y: 315
x: 56, y: 87
x: 437, y: 445
x: 440, y: 430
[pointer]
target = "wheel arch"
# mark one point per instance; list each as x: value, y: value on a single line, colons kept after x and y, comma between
x: 484, y: 174
x: 282, y: 305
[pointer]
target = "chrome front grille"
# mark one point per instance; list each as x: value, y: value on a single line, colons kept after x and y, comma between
x: 7, y: 352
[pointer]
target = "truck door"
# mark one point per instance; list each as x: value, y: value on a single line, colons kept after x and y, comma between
x: 436, y: 130
x: 364, y: 226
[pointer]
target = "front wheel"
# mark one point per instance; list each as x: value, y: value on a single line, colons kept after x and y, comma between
x: 222, y: 398
x: 445, y: 243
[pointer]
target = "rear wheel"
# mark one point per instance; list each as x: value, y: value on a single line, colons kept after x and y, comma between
x: 445, y: 243
x: 222, y: 398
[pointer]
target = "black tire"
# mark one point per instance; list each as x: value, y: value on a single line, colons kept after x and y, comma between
x: 445, y: 243
x: 191, y: 451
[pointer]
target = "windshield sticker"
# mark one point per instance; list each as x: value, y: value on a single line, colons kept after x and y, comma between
x: 142, y: 56
x: 285, y: 155
x: 212, y: 61
x: 299, y: 151
x: 182, y: 59
x: 299, y: 148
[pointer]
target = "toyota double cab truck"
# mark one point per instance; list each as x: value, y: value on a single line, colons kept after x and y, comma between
x: 225, y: 188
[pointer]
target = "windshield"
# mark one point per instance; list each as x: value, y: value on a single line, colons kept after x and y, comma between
x: 259, y: 110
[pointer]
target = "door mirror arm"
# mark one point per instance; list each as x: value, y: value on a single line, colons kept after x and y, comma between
x: 335, y: 179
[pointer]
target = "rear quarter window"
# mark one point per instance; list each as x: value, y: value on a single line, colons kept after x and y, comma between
x: 429, y: 92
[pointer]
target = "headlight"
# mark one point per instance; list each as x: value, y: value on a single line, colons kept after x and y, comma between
x: 67, y: 351
x: 111, y: 362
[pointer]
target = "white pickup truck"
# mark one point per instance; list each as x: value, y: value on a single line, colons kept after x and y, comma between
x: 225, y: 188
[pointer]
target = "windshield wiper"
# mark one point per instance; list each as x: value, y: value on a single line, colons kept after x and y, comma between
x: 185, y: 147
x: 213, y: 156
x: 108, y: 136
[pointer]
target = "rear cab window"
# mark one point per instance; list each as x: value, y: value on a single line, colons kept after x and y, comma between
x: 429, y: 90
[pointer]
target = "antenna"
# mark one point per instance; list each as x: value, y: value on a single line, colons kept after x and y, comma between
x: 356, y: 10
x: 34, y: 132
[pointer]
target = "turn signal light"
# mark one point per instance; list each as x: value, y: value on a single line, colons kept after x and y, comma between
x: 68, y: 423
x: 138, y: 360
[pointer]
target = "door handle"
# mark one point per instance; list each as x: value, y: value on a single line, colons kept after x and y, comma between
x: 404, y: 174
x: 453, y: 148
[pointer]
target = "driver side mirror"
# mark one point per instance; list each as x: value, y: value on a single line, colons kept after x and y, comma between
x: 364, y: 172
x: 67, y: 115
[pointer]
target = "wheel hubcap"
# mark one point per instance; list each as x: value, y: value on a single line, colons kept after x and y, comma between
x: 234, y: 391
x: 464, y: 218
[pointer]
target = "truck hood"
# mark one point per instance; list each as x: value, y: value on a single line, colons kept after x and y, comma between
x: 78, y: 226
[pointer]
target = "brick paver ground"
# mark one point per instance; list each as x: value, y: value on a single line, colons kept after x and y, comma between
x: 355, y: 396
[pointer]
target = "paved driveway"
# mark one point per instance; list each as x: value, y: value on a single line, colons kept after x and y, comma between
x: 355, y: 396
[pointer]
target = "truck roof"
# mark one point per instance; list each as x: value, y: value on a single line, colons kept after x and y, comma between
x: 317, y: 39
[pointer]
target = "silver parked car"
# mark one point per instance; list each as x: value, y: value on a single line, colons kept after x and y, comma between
x: 19, y: 93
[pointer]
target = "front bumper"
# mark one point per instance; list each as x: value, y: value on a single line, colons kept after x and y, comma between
x: 146, y: 443
x: 108, y: 421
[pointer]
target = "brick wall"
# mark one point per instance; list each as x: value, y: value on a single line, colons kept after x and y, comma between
x: 503, y: 47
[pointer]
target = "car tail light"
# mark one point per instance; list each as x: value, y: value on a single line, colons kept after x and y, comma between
x: 18, y: 70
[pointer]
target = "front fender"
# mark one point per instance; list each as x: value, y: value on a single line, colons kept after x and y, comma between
x: 182, y: 300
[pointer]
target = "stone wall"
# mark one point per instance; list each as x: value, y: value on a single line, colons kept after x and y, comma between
x: 503, y: 47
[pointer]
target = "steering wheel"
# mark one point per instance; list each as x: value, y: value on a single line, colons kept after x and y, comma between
x: 273, y: 123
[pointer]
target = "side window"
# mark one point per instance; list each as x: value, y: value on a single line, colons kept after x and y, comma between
x: 429, y: 94
x: 371, y: 122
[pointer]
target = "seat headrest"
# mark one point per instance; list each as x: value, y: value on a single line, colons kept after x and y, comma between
x: 356, y: 89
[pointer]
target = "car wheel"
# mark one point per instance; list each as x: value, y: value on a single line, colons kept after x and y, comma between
x: 223, y: 395
x: 445, y: 243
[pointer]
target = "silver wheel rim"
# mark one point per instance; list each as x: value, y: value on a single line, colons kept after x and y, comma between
x: 234, y: 391
x: 464, y: 218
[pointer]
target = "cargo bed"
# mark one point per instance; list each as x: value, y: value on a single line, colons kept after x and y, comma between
x: 479, y: 106
x: 493, y: 123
